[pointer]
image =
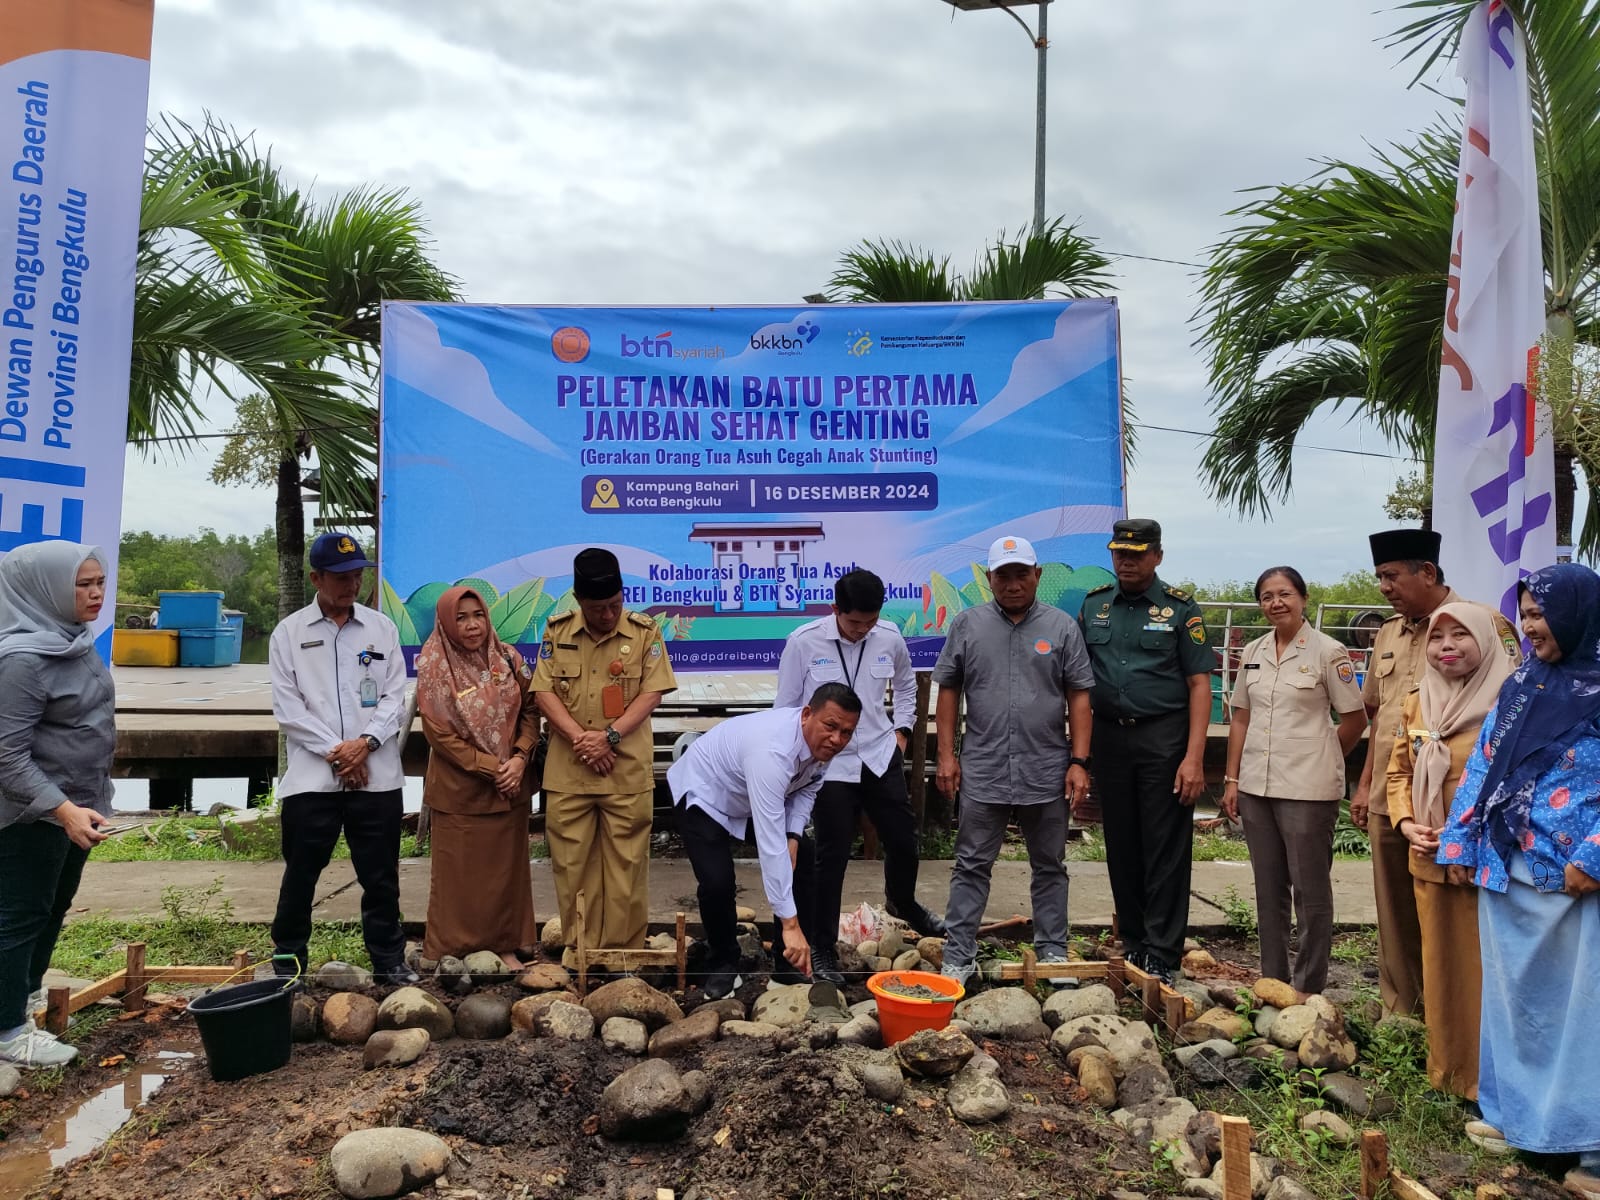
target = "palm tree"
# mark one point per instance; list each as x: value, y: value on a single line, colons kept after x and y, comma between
x: 1056, y: 261
x: 1332, y: 291
x: 332, y: 265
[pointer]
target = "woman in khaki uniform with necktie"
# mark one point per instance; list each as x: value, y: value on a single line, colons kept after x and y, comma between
x: 1285, y: 775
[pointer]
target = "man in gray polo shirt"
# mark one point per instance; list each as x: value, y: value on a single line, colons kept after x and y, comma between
x: 1021, y: 666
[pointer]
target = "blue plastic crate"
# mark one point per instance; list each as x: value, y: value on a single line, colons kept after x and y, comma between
x: 190, y: 610
x: 233, y: 622
x: 205, y: 647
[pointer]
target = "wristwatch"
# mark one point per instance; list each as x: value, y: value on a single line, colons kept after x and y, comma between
x: 613, y: 737
x: 1075, y: 761
x: 372, y: 744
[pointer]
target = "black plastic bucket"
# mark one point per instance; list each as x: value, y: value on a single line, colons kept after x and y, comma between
x: 245, y: 1028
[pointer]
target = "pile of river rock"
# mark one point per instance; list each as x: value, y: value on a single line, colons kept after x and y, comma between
x: 1118, y: 1062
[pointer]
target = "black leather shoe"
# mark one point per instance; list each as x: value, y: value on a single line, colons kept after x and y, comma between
x: 919, y: 918
x: 825, y: 967
x: 722, y: 983
x: 784, y: 972
x: 398, y: 975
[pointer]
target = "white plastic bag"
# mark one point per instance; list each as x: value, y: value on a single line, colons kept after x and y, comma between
x: 865, y: 924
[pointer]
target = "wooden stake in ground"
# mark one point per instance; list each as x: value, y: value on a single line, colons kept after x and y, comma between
x: 1235, y: 1158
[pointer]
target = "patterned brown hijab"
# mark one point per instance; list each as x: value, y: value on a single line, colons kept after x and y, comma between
x: 477, y: 694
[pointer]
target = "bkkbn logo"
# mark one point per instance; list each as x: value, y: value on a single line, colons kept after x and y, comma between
x: 804, y: 334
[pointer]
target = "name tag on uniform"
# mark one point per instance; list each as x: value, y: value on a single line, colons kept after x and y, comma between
x: 311, y: 645
x: 1251, y: 667
x: 1158, y: 627
x: 1387, y: 654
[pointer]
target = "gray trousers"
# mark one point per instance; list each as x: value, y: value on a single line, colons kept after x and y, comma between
x: 1291, y: 856
x: 980, y: 831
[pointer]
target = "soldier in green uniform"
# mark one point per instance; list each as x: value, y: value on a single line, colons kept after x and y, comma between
x: 602, y: 671
x: 1152, y: 702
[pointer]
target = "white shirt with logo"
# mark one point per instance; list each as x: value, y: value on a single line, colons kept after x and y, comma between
x: 817, y: 653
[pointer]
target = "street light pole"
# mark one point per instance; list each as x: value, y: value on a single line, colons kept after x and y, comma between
x: 1041, y: 43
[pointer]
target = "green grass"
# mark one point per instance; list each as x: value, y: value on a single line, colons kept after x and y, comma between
x: 200, y: 839
x: 1359, y: 946
x: 196, y: 928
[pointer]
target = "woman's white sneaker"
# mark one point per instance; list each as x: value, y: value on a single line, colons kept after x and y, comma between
x: 36, y: 1048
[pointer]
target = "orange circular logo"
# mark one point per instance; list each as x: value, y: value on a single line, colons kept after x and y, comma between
x: 1041, y: 647
x: 570, y: 344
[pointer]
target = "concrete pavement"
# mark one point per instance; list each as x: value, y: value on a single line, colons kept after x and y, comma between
x: 134, y: 889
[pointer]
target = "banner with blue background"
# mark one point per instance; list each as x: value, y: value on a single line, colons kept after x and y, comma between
x: 739, y: 460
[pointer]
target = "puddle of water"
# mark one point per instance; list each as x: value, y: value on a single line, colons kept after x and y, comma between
x: 87, y: 1125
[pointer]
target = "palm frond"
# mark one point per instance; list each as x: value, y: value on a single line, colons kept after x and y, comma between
x: 888, y: 272
x: 1056, y: 261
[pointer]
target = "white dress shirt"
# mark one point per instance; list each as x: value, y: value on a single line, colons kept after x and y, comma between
x: 316, y: 695
x: 755, y: 770
x: 817, y: 653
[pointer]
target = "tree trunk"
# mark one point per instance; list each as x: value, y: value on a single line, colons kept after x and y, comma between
x: 291, y: 528
x: 1566, y: 498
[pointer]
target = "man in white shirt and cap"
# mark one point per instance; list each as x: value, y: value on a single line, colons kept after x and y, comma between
x: 338, y: 692
x: 852, y: 646
x: 758, y: 773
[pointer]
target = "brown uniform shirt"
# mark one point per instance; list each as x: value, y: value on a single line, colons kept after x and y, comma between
x: 576, y: 668
x: 460, y: 777
x: 1394, y: 669
x: 1401, y: 765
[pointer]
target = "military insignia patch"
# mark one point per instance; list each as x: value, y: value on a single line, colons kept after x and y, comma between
x: 1509, y: 641
x: 1347, y: 672
x: 1197, y: 634
x: 546, y: 649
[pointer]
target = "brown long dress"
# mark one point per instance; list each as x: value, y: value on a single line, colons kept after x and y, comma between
x: 480, y: 894
x: 1452, y: 966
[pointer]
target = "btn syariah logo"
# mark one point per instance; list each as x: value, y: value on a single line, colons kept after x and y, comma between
x: 660, y: 346
x: 858, y: 343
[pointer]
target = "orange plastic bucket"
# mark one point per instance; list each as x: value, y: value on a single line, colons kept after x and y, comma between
x: 901, y: 1016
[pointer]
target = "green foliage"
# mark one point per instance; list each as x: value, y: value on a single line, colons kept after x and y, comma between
x: 395, y: 609
x: 1239, y: 912
x: 514, y: 612
x: 244, y: 569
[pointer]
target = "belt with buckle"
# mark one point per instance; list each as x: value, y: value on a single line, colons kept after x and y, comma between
x: 1128, y: 722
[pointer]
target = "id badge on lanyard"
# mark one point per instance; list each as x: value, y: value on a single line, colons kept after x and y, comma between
x: 369, y: 685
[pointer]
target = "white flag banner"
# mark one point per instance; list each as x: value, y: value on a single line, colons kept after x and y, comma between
x: 1493, y: 464
x: 74, y: 77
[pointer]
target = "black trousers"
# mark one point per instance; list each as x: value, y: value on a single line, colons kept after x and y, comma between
x: 40, y: 870
x: 1149, y: 835
x: 710, y: 852
x: 835, y: 818
x: 311, y: 824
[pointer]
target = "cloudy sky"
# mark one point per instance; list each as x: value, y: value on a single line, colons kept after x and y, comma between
x: 691, y: 151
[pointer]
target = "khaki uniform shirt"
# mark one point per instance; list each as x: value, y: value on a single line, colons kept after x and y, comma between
x: 1403, y: 762
x: 1393, y: 670
x: 576, y: 667
x: 1291, y: 748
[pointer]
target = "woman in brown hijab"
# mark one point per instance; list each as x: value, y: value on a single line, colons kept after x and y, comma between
x: 482, y: 724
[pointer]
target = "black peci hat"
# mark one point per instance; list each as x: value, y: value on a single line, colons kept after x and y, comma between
x: 1405, y: 545
x: 596, y: 574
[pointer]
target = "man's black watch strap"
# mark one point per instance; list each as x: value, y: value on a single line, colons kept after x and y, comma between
x: 372, y: 743
x: 1083, y: 762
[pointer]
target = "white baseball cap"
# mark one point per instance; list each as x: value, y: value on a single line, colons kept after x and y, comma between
x: 1012, y: 550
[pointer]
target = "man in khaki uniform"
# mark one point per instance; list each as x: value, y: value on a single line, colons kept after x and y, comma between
x: 1406, y: 563
x: 602, y: 671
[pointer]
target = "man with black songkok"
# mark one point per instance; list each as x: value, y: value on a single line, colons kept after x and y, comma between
x: 1406, y: 562
x: 602, y: 671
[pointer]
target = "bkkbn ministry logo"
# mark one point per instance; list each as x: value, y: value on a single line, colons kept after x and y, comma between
x: 858, y: 343
x: 786, y: 343
x: 570, y: 344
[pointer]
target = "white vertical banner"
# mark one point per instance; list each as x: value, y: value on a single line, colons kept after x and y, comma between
x: 74, y: 84
x: 1493, y: 463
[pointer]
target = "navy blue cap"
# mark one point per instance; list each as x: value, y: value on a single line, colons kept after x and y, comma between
x: 338, y: 552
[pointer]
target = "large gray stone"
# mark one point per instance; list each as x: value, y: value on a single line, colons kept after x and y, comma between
x: 1157, y: 1121
x: 1135, y: 1044
x: 10, y: 1080
x: 486, y: 965
x: 646, y: 1103
x: 1264, y: 1019
x: 632, y: 997
x: 1215, y: 1048
x: 1005, y: 1012
x: 1291, y: 1025
x: 883, y: 1081
x: 551, y: 940
x: 1356, y: 1096
x: 1330, y: 1125
x: 1089, y: 1000
x: 452, y: 975
x: 1099, y: 1029
x: 1145, y: 1083
x: 976, y: 1095
x: 305, y: 1018
x: 861, y: 1031
x: 698, y: 1028
x: 749, y: 1029
x: 1327, y: 1047
x: 394, y: 1048
x: 1097, y: 1078
x: 731, y: 1008
x: 566, y: 1022
x: 697, y: 1084
x: 1214, y: 1024
x: 785, y: 1007
x: 349, y: 1018
x: 413, y: 1008
x: 525, y: 1012
x: 1284, y: 1188
x: 624, y: 1035
x: 343, y: 976
x: 931, y: 950
x: 907, y: 960
x: 935, y: 1053
x: 545, y: 977
x: 373, y: 1163
x: 484, y: 1017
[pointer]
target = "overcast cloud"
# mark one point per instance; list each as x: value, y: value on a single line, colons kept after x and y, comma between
x: 725, y: 151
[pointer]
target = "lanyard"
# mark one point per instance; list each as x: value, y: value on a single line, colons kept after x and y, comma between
x: 850, y: 676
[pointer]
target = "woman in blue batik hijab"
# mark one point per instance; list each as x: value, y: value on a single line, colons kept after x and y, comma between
x: 1525, y: 828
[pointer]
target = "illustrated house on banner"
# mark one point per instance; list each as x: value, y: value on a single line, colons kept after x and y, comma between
x: 762, y: 561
